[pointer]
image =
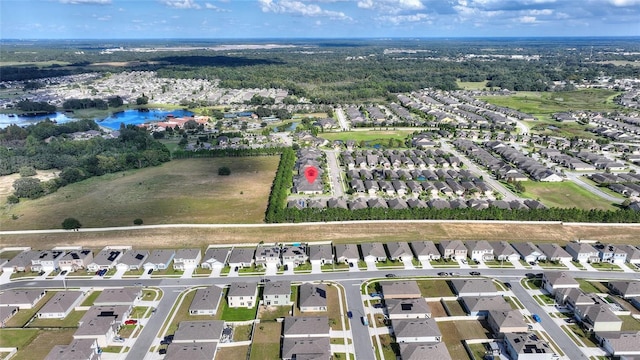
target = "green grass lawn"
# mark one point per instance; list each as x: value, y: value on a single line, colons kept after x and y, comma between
x: 453, y: 332
x: 606, y: 266
x: 389, y: 347
x: 371, y: 135
x: 455, y: 308
x: 182, y: 313
x: 565, y: 194
x: 180, y: 191
x: 266, y: 341
x: 237, y: 314
x: 592, y: 286
x: 435, y: 288
x: 45, y: 340
x: 242, y: 332
x: 472, y: 85
x: 89, y: 300
x: 17, y: 337
x: 232, y: 353
x: 629, y: 323
x: 23, y: 316
x: 70, y: 321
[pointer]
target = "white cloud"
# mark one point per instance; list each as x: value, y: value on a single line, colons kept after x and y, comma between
x: 392, y: 6
x: 181, y: 4
x: 104, y: 18
x: 623, y: 3
x: 402, y: 19
x: 540, y: 12
x: 299, y: 8
x: 210, y: 6
x: 527, y: 19
x: 82, y: 2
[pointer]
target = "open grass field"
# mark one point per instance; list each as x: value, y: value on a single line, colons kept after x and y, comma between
x: 17, y: 337
x: 369, y: 135
x: 266, y: 341
x: 180, y: 191
x: 39, y: 347
x: 453, y: 332
x: 565, y: 194
x: 469, y: 85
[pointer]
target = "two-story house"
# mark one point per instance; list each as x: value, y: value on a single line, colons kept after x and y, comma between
x: 76, y: 260
x: 186, y: 259
x: 242, y: 295
x: 277, y: 293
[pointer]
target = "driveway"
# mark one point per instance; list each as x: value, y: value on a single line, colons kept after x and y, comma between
x: 342, y: 119
x: 426, y: 264
x: 354, y: 267
x: 408, y: 264
x: 187, y: 273
x: 119, y: 273
x: 272, y: 269
x: 371, y: 266
x: 215, y: 271
x: 316, y: 268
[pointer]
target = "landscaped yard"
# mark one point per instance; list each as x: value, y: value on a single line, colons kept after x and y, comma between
x: 370, y: 135
x: 565, y: 194
x: 606, y: 266
x: 266, y: 341
x: 576, y: 332
x: 629, y: 323
x: 17, y: 337
x: 70, y: 321
x: 242, y: 332
x: 435, y: 288
x: 180, y: 191
x: 182, y: 313
x: 88, y: 301
x: 455, y: 308
x: 23, y: 316
x: 333, y: 309
x: 390, y: 349
x: 592, y: 286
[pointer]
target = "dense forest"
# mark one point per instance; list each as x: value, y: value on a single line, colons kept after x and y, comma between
x: 329, y: 72
x: 47, y: 145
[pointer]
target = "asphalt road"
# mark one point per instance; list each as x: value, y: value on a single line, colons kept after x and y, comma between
x: 575, y: 177
x: 360, y: 333
x: 342, y: 119
x: 334, y: 172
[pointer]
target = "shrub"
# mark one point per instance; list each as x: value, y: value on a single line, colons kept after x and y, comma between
x: 224, y: 171
x: 137, y: 221
x: 26, y: 171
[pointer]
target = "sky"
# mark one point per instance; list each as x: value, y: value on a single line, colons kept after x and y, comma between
x: 235, y: 19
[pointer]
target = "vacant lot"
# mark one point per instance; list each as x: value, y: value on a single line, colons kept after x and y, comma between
x: 43, y: 343
x: 232, y: 353
x: 266, y: 341
x: 565, y: 194
x: 370, y: 135
x: 181, y: 191
x: 453, y: 332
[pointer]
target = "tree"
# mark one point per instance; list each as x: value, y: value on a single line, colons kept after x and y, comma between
x: 27, y: 171
x: 71, y: 224
x: 142, y: 100
x: 28, y: 187
x: 224, y: 171
x: 137, y: 221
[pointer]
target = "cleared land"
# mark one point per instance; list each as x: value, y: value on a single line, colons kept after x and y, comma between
x: 180, y: 191
x: 565, y: 194
x: 370, y: 135
x: 472, y: 85
x: 338, y: 233
x: 232, y: 353
x: 266, y: 341
x: 43, y: 343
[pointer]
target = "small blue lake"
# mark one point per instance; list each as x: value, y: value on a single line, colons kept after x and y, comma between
x: 113, y: 122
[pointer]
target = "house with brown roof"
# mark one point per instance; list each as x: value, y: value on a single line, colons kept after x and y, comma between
x: 506, y: 321
x: 416, y: 331
x: 78, y: 349
x: 406, y: 289
x: 75, y: 260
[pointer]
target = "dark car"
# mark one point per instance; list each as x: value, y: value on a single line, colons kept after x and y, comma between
x: 378, y: 306
x: 64, y: 272
x: 162, y: 351
x: 235, y: 269
x: 350, y: 264
x: 41, y: 273
x: 443, y: 273
x: 150, y: 271
x: 349, y: 314
x: 474, y: 273
x: 390, y: 275
x: 508, y: 285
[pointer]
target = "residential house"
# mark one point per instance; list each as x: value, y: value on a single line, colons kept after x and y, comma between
x: 215, y: 257
x: 633, y: 253
x: 480, y: 251
x: 574, y: 297
x: 295, y: 254
x: 321, y: 254
x: 347, y: 253
x: 416, y: 330
x: 22, y: 298
x: 20, y: 262
x: 527, y: 346
x: 191, y: 351
x: 399, y: 251
x: 473, y: 287
x: 159, y: 259
x: 503, y: 251
x: 47, y: 260
x: 305, y: 326
x: 421, y: 351
x: 481, y: 305
x: 554, y: 252
x: 611, y: 253
x: 406, y: 289
x: 191, y: 332
x: 506, y: 321
x: 133, y: 259
x: 582, y: 252
x: 268, y: 254
x: 407, y: 308
x: 373, y: 252
x: 277, y: 293
x: 626, y: 289
x: 102, y: 323
x: 316, y: 348
x: 119, y: 296
x: 76, y: 260
x: 241, y: 257
x: 598, y: 317
x: 60, y: 305
x: 242, y: 295
x: 529, y: 252
x: 620, y: 343
x: 312, y: 297
x: 105, y: 259
x: 80, y: 349
x: 425, y: 250
x: 187, y: 259
x: 6, y: 313
x: 453, y: 249
x: 206, y: 301
x: 552, y: 281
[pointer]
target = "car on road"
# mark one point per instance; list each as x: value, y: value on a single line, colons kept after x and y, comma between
x: 162, y: 351
x: 391, y: 275
x: 474, y: 273
x: 454, y: 273
x: 150, y: 271
x: 64, y: 272
x: 131, y: 322
x: 508, y: 285
x: 443, y: 273
x: 365, y: 321
x: 569, y: 320
x: 536, y: 318
x: 349, y: 314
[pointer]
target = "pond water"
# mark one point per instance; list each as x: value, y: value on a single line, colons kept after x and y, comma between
x: 113, y: 122
x: 291, y: 127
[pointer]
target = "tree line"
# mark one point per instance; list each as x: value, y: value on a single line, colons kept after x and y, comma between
x: 280, y: 187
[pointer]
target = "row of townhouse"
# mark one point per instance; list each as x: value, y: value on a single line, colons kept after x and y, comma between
x: 396, y: 159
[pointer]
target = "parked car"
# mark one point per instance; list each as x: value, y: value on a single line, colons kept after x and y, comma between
x: 162, y: 351
x: 365, y: 321
x: 443, y: 273
x: 349, y: 314
x: 118, y: 339
x: 391, y: 275
x: 508, y: 285
x: 131, y: 322
x: 474, y: 273
x: 64, y: 272
x: 375, y: 294
x: 454, y: 274
x: 350, y: 264
x: 150, y: 271
x: 378, y: 306
x: 41, y: 273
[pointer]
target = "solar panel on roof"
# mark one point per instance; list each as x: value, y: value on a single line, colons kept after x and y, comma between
x: 139, y: 256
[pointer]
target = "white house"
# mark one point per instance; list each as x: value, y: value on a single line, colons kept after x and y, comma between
x: 187, y: 259
x: 423, y: 330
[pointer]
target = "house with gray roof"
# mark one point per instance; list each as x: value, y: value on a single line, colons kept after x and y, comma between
x: 416, y: 330
x: 302, y: 186
x: 527, y: 346
x: 241, y: 257
x: 479, y: 250
x: 312, y: 297
x: 627, y: 289
x: 268, y: 254
x: 294, y: 254
x: 60, y: 305
x: 473, y: 287
x: 454, y: 249
x: 159, y: 259
x: 598, y: 317
x: 407, y: 308
x: 102, y: 323
x: 347, y: 253
x: 22, y: 298
x: 306, y: 326
x: 552, y: 281
x: 277, y: 293
x: 105, y: 259
x: 133, y: 259
x: 119, y: 296
x: 215, y: 257
x: 406, y: 289
x: 6, y: 313
x: 506, y: 321
x: 191, y: 351
x: 20, y: 262
x: 421, y: 351
x: 206, y: 301
x: 186, y: 259
x: 76, y: 260
x: 620, y: 343
x: 312, y: 348
x: 46, y: 260
x: 554, y: 252
x: 242, y: 295
x: 373, y: 252
x: 425, y: 250
x: 399, y: 250
x: 198, y: 331
x: 480, y: 305
x: 582, y: 252
x: 611, y: 253
x: 633, y: 253
x: 321, y: 254
x: 574, y: 297
x: 334, y: 203
x: 529, y: 252
x: 503, y: 251
x: 81, y: 349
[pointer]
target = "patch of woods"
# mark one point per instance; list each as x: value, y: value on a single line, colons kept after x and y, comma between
x: 47, y: 145
x: 281, y: 186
